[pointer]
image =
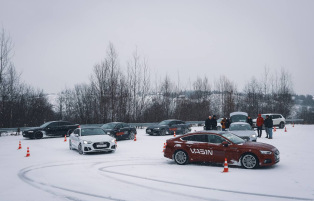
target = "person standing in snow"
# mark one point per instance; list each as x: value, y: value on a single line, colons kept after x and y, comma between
x: 259, y: 124
x: 223, y: 124
x: 227, y: 123
x: 269, y: 127
x: 214, y: 123
x: 249, y: 120
x: 208, y: 123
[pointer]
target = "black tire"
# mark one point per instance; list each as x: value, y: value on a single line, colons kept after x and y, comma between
x: 163, y: 132
x: 38, y: 135
x: 80, y: 150
x: 281, y: 125
x: 249, y: 161
x: 131, y: 135
x: 181, y: 157
x: 70, y: 145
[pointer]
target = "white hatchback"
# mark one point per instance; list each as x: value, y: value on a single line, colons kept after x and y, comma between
x: 91, y: 140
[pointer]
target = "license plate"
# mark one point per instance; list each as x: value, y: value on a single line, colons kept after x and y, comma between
x: 101, y: 146
x: 148, y: 130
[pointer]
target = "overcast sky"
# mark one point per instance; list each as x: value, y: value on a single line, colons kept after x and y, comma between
x: 57, y: 43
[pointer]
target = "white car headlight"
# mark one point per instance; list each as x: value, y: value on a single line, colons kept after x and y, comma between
x: 87, y: 142
x: 266, y: 152
x: 253, y: 136
x: 113, y: 140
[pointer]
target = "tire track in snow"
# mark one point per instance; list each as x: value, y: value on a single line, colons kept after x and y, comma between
x: 103, y: 169
x: 40, y: 185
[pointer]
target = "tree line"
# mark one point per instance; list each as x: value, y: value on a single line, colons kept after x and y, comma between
x: 130, y: 96
x: 126, y: 93
x: 20, y: 104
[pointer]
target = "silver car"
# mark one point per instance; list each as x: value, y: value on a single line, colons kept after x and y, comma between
x: 243, y: 130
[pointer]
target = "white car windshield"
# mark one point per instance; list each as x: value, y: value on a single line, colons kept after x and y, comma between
x: 92, y: 131
x: 239, y: 127
x: 233, y: 138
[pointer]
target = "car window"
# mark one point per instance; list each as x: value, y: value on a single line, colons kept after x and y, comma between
x: 108, y: 126
x: 77, y: 131
x: 239, y: 127
x: 118, y: 126
x: 215, y: 139
x: 92, y: 131
x: 54, y: 124
x: 196, y: 138
x: 164, y: 123
x: 233, y: 138
x: 125, y: 126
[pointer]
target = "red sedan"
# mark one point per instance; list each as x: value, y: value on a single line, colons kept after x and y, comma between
x: 214, y: 147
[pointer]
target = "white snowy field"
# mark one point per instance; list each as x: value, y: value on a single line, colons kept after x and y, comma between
x: 138, y: 171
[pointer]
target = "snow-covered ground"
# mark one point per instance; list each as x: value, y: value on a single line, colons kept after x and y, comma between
x: 137, y: 171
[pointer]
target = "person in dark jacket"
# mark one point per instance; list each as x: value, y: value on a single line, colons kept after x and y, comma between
x: 214, y: 123
x: 208, y: 123
x: 249, y: 121
x: 227, y: 123
x: 269, y: 126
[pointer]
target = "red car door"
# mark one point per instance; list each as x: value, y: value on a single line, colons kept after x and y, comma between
x: 214, y: 143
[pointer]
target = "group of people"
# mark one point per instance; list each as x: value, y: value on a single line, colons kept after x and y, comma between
x: 211, y: 123
x: 268, y: 123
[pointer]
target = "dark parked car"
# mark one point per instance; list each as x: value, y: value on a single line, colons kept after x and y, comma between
x: 49, y: 129
x: 214, y: 147
x: 169, y: 127
x: 120, y: 130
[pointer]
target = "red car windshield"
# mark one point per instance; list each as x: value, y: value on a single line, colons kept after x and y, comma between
x: 233, y: 138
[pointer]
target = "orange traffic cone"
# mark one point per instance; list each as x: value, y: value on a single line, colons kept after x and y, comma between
x: 174, y: 134
x: 274, y: 129
x: 27, y: 154
x: 20, y: 146
x: 286, y: 129
x: 135, y: 137
x: 65, y: 138
x: 163, y: 150
x: 226, y: 166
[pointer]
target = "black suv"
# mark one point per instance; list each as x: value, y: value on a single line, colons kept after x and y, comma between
x: 49, y: 129
x: 169, y: 127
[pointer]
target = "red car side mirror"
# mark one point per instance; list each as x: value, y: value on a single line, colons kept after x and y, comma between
x: 225, y: 143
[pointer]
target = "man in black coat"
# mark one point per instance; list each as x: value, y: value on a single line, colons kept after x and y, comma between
x: 214, y: 123
x: 249, y: 120
x: 269, y: 127
x: 208, y: 123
